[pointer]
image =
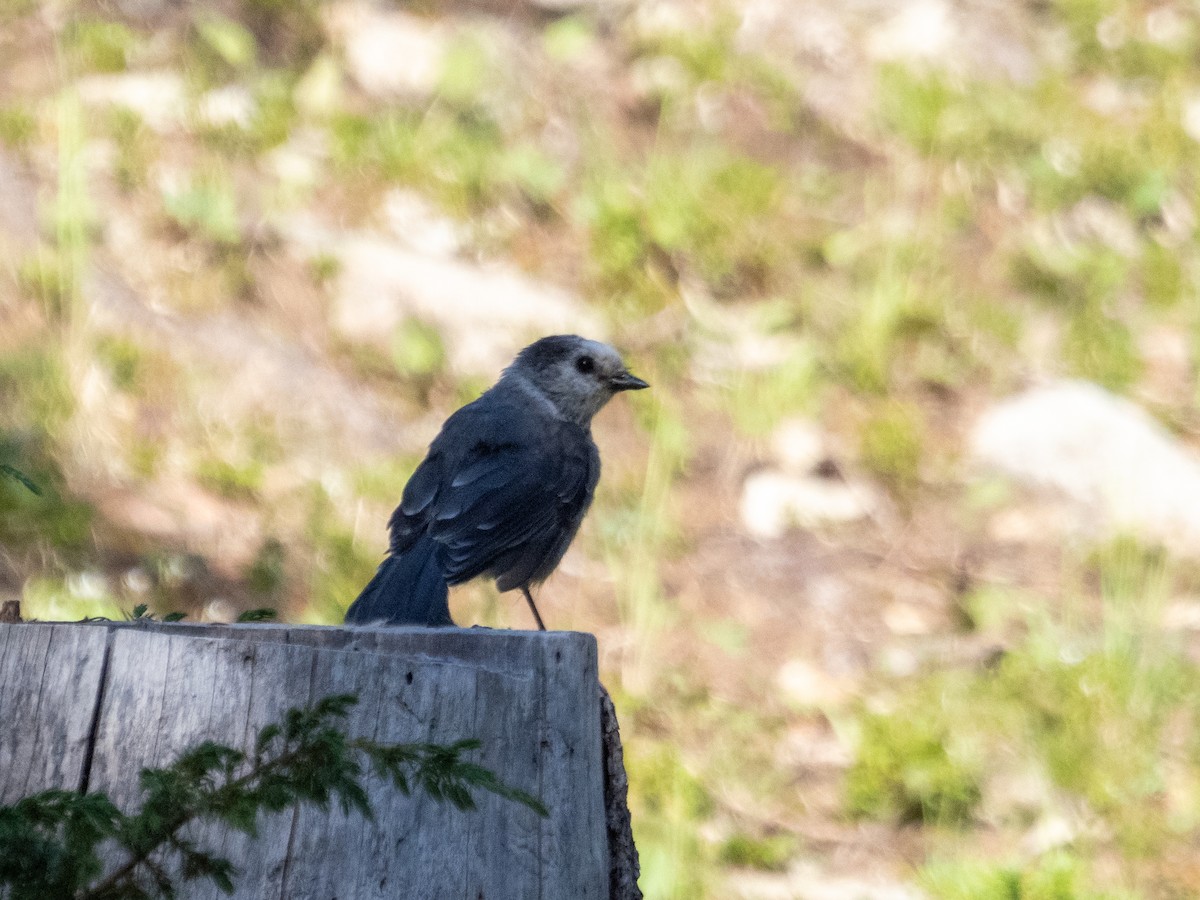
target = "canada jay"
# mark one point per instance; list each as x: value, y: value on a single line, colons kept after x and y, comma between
x: 504, y: 486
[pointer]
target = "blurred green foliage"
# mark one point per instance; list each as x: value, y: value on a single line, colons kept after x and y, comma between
x: 206, y: 206
x: 892, y: 444
x: 17, y: 126
x: 911, y: 765
x: 99, y: 46
x: 1057, y: 876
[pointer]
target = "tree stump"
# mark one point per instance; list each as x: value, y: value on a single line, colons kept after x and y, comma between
x: 88, y: 705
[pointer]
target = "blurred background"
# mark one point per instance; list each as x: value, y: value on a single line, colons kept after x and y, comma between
x: 895, y: 569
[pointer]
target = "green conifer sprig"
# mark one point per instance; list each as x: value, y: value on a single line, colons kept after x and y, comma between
x: 50, y: 842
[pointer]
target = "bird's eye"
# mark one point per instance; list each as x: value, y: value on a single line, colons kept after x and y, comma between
x: 585, y: 364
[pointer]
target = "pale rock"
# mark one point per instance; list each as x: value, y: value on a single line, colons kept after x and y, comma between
x: 1191, y: 116
x: 1106, y: 96
x: 1178, y: 219
x: 1031, y: 523
x: 389, y: 53
x: 218, y: 610
x: 917, y: 30
x: 228, y: 105
x: 1112, y: 32
x: 137, y: 581
x: 791, y: 492
x: 815, y: 745
x: 158, y: 98
x: 899, y: 662
x: 418, y: 223
x: 484, y: 311
x: 1016, y: 795
x: 1118, y: 469
x: 657, y: 76
x: 1167, y: 26
x: 1050, y: 832
x: 1094, y: 220
x: 1182, y: 615
x: 806, y: 685
x: 906, y: 619
x: 774, y: 500
x: 1167, y: 359
x: 298, y: 162
x: 817, y: 32
x: 799, y: 445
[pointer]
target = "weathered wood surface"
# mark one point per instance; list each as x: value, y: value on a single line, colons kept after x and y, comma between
x: 88, y: 705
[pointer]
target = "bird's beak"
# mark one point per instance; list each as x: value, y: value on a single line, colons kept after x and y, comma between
x: 625, y: 381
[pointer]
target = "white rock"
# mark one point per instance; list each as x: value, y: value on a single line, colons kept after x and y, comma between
x: 483, y: 311
x: 1119, y: 470
x: 389, y: 53
x: 799, y: 445
x: 159, y: 98
x: 228, y: 105
x: 906, y: 619
x: 772, y: 500
x: 918, y: 30
x: 1191, y: 116
x: 899, y: 662
x: 298, y: 163
x: 1182, y: 614
x: 814, y: 745
x: 218, y: 610
x: 414, y: 220
x: 807, y: 685
x: 1049, y: 833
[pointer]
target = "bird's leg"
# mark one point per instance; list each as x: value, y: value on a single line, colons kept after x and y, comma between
x: 533, y: 609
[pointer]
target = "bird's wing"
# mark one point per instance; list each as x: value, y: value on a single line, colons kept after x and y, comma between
x: 512, y: 506
x: 453, y: 450
x: 500, y: 487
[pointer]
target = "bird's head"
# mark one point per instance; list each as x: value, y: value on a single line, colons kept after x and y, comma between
x: 576, y: 375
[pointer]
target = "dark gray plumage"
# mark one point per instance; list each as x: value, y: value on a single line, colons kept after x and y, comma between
x: 504, y: 486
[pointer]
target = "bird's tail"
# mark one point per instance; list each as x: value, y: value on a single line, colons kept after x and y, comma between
x: 408, y: 589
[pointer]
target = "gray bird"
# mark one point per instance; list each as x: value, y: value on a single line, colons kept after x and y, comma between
x: 504, y: 486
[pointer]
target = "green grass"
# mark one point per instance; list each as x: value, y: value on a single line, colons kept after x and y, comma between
x: 96, y: 45
x: 913, y: 764
x: 53, y: 520
x: 18, y: 127
x: 770, y: 853
x: 702, y: 213
x: 1093, y: 699
x: 891, y: 447
x: 267, y: 575
x: 50, y: 277
x: 67, y: 599
x: 636, y: 532
x: 206, y: 207
x: 1057, y: 876
x: 450, y: 154
x: 668, y: 803
x: 35, y: 389
x: 759, y: 400
x: 136, y: 148
x: 236, y: 481
x: 338, y: 566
